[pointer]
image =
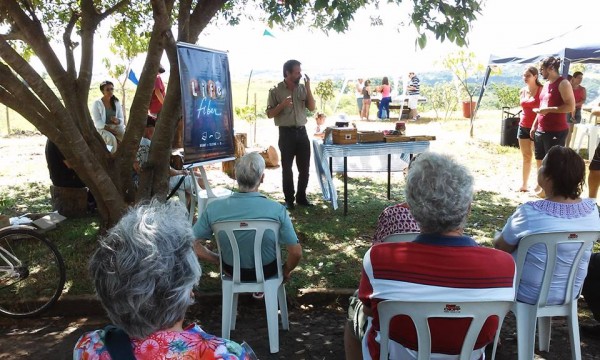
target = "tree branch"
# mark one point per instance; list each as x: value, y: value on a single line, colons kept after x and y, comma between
x: 183, y: 21
x: 111, y: 10
x: 15, y: 94
x: 33, y: 79
x: 69, y: 45
x: 36, y: 39
x: 201, y: 16
x: 13, y: 35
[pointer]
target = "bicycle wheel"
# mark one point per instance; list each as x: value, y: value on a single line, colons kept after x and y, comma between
x: 32, y: 272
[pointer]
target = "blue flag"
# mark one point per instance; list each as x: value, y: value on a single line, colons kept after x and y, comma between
x: 132, y: 77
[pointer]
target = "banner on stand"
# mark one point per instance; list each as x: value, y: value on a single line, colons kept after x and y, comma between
x: 206, y: 104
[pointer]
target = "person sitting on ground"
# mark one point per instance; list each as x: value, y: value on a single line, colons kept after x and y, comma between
x: 61, y: 173
x: 561, y: 176
x: 108, y: 116
x: 144, y: 272
x: 249, y: 204
x: 439, y: 192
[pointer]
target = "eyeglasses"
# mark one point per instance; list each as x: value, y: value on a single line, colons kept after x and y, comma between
x: 109, y: 89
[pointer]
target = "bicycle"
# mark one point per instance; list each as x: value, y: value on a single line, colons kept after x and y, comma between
x: 32, y: 272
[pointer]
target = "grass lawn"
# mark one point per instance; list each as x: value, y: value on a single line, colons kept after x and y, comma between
x: 333, y: 243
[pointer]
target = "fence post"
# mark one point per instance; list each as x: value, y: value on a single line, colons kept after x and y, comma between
x: 255, y: 121
x: 7, y: 122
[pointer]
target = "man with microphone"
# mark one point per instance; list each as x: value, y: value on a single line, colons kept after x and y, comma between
x: 287, y: 103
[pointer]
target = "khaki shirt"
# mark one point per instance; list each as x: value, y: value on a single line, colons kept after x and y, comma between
x: 289, y: 116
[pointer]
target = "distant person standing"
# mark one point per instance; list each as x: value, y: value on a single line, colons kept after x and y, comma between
x: 556, y: 100
x: 287, y: 103
x: 580, y: 94
x: 386, y: 99
x: 158, y: 95
x: 414, y: 92
x: 530, y: 99
x: 366, y: 107
x: 359, y: 95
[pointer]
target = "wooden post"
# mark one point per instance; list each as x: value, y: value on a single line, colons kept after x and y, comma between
x: 255, y: 120
x: 7, y: 122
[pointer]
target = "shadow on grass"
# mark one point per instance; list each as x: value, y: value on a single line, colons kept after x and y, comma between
x: 333, y: 244
x: 489, y: 213
x: 75, y: 238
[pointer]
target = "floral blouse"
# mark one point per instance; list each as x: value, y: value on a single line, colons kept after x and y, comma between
x: 192, y: 343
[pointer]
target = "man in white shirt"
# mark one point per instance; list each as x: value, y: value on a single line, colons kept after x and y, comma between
x: 360, y: 84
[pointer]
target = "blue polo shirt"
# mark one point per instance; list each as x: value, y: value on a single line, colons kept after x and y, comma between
x: 247, y: 206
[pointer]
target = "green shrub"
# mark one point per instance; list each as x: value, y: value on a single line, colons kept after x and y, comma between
x: 441, y: 98
x: 506, y: 95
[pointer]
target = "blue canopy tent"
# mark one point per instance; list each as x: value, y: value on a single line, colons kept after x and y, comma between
x: 568, y: 46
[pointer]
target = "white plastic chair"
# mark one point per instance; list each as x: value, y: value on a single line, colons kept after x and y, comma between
x: 202, y: 197
x: 527, y: 314
x: 587, y: 129
x: 400, y: 237
x: 420, y: 312
x: 273, y: 288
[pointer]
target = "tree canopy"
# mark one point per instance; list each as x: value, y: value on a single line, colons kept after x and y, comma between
x: 58, y: 107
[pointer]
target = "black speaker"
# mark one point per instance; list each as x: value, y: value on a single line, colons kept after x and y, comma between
x: 510, y: 127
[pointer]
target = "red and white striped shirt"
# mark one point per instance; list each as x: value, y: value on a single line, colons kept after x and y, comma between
x: 433, y: 268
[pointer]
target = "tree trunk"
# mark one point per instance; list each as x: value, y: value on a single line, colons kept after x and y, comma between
x: 65, y: 117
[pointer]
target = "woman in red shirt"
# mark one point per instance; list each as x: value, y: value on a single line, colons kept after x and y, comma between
x: 530, y: 99
x: 580, y: 94
x: 556, y: 100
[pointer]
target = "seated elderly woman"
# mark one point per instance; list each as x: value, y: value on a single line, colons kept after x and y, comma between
x: 441, y: 264
x: 395, y: 219
x: 561, y: 176
x: 144, y: 272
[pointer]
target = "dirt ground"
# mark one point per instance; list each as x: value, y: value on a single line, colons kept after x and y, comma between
x: 316, y: 332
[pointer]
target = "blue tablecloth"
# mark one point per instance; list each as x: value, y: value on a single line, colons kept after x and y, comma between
x: 373, y: 157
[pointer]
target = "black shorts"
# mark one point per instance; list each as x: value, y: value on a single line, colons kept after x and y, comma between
x: 269, y: 270
x: 595, y: 163
x: 523, y: 133
x: 545, y: 140
x: 576, y: 119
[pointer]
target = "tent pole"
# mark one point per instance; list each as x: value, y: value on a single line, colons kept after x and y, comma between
x: 483, y: 87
